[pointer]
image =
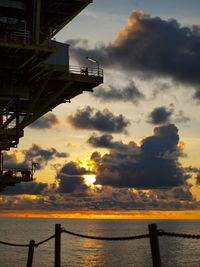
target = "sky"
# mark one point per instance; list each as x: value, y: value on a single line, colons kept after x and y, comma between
x: 132, y: 146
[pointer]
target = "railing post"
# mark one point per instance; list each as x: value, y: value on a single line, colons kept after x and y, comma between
x: 30, y: 253
x: 154, y: 242
x: 57, y: 244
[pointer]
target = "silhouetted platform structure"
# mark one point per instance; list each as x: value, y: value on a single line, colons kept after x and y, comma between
x: 35, y: 74
x: 17, y: 177
x: 10, y: 177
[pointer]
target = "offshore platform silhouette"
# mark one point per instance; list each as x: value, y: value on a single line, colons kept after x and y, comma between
x: 35, y: 74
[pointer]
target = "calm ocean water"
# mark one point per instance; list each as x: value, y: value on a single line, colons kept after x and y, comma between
x: 176, y: 252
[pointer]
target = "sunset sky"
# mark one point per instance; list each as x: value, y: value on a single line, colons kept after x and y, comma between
x: 131, y: 147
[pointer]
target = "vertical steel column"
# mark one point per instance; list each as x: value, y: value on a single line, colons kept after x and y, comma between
x: 17, y: 121
x: 57, y: 245
x: 154, y: 242
x: 37, y: 21
x: 1, y: 162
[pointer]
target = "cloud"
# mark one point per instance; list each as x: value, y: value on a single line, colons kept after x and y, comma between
x: 34, y: 154
x: 10, y: 160
x: 197, y: 178
x: 46, y: 122
x: 71, y: 192
x: 153, y: 164
x: 70, y: 178
x: 105, y: 198
x: 180, y: 117
x: 71, y: 184
x: 197, y: 95
x: 106, y: 141
x: 30, y: 188
x: 42, y: 156
x: 152, y: 47
x: 72, y: 168
x: 160, y: 88
x: 164, y: 115
x: 130, y: 93
x: 160, y: 115
x: 92, y: 119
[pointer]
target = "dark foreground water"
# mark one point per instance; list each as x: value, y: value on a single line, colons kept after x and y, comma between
x: 176, y: 252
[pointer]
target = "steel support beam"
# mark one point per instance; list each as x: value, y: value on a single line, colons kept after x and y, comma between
x: 45, y: 107
x: 67, y: 21
x: 37, y: 21
x: 29, y: 47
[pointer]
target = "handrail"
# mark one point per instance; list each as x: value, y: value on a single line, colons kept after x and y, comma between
x: 153, y: 236
x: 87, y: 71
x: 163, y: 233
x: 106, y: 238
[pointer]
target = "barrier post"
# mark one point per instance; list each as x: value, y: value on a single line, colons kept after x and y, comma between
x: 30, y: 253
x: 154, y: 242
x: 57, y: 245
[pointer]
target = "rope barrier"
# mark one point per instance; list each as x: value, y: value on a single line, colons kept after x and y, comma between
x: 27, y: 245
x: 14, y: 245
x: 44, y: 241
x: 160, y: 233
x: 163, y: 233
x: 106, y: 238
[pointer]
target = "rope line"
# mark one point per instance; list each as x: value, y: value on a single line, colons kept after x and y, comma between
x: 106, y: 238
x: 160, y: 233
x: 14, y: 245
x: 41, y: 242
x: 163, y: 233
x: 27, y: 245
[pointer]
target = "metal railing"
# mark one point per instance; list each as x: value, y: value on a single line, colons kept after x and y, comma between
x: 96, y: 72
x: 23, y: 34
x: 153, y: 235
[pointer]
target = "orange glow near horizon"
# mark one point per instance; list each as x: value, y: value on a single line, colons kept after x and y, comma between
x: 107, y: 214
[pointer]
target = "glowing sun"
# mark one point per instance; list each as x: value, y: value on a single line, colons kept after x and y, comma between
x: 89, y: 179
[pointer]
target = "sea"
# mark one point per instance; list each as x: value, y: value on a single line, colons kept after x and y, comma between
x: 76, y: 251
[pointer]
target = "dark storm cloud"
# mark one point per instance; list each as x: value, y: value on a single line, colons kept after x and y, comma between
x: 46, y: 122
x: 92, y: 119
x: 160, y: 115
x: 153, y: 47
x: 130, y: 93
x: 30, y: 188
x: 153, y: 164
